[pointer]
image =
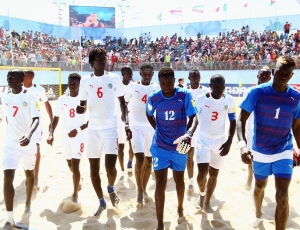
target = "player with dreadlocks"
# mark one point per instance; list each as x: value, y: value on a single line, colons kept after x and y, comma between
x: 74, y: 126
x: 172, y: 106
x: 100, y: 89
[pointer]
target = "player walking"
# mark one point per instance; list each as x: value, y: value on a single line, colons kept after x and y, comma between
x: 172, y: 107
x: 142, y: 131
x: 21, y: 109
x: 195, y: 89
x: 100, y: 88
x: 264, y: 75
x: 41, y: 96
x: 211, y: 145
x: 74, y: 130
x: 276, y: 109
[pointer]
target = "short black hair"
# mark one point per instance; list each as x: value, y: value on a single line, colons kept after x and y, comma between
x: 217, y: 77
x: 75, y: 76
x: 166, y: 71
x: 146, y: 66
x: 94, y: 52
x: 29, y: 71
x: 194, y: 71
x: 286, y: 60
x: 17, y: 72
x: 124, y: 68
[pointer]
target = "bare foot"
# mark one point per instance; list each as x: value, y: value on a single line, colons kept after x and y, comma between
x: 208, y: 209
x: 146, y: 197
x: 200, y: 202
x: 80, y: 184
x: 140, y: 200
x: 181, y: 220
x: 100, y: 210
x: 8, y: 225
x: 27, y: 208
x: 190, y: 190
x: 75, y: 199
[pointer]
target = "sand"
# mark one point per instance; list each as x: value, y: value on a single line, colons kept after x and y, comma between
x: 52, y: 208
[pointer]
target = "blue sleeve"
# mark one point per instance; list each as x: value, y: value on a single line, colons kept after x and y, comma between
x: 297, y: 112
x: 249, y: 103
x: 149, y: 106
x: 190, y: 105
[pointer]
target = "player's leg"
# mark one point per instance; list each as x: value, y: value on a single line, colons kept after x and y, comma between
x: 8, y: 189
x: 190, y: 169
x: 139, y: 160
x: 129, y: 163
x: 147, y: 172
x: 76, y: 178
x: 29, y: 188
x: 121, y: 145
x: 37, y: 166
x: 283, y: 174
x: 121, y: 159
x: 210, y: 188
x: 249, y: 178
x: 110, y: 137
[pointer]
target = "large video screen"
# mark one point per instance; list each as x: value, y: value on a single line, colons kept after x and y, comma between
x: 92, y: 16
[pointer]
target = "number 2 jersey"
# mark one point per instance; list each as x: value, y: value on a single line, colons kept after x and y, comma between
x: 137, y: 96
x: 273, y: 116
x: 19, y: 110
x: 213, y: 114
x: 67, y: 105
x: 100, y: 93
x: 171, y: 116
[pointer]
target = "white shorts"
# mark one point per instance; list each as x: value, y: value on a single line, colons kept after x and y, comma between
x: 38, y: 134
x: 98, y: 141
x: 207, y: 151
x: 121, y: 130
x: 73, y: 147
x: 12, y: 152
x: 142, y: 139
x: 195, y: 137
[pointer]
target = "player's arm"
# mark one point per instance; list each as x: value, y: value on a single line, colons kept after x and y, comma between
x: 150, y: 112
x: 83, y: 96
x: 232, y: 126
x: 151, y: 120
x: 49, y: 111
x: 192, y: 123
x: 54, y: 123
x: 124, y: 116
x: 240, y: 131
x: 24, y: 141
x: 74, y: 132
x: 296, y: 133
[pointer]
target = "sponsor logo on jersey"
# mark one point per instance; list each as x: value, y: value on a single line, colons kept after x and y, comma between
x: 207, y: 106
x: 136, y: 91
x: 226, y: 107
x: 109, y: 85
x: 193, y: 103
x: 181, y: 100
x: 6, y: 104
x: 24, y: 104
x: 65, y: 105
x: 91, y: 86
x: 149, y: 107
x: 37, y: 105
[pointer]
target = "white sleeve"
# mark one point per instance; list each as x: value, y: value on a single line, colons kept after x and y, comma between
x: 59, y: 107
x: 199, y: 102
x: 128, y: 94
x: 42, y: 94
x: 231, y: 107
x: 83, y: 94
x: 4, y: 112
x: 119, y: 87
x: 34, y: 106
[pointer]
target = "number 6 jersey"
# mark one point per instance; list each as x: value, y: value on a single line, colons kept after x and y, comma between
x: 213, y: 113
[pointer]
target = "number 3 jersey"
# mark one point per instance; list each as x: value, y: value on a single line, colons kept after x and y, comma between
x: 213, y: 114
x: 171, y: 116
x: 67, y: 105
x: 19, y: 110
x: 137, y: 96
x: 273, y: 117
x: 100, y: 93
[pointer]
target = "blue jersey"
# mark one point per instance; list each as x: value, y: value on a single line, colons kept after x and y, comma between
x: 273, y: 116
x: 171, y: 116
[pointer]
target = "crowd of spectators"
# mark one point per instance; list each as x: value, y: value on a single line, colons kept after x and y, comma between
x: 235, y: 49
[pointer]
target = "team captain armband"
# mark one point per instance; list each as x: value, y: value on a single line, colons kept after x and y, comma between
x: 231, y: 116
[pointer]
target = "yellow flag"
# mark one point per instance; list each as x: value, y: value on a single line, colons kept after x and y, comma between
x: 240, y: 83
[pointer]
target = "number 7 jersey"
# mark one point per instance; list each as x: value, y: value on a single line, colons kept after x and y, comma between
x: 213, y: 113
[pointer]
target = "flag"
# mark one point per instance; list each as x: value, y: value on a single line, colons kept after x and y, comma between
x: 272, y: 2
x: 159, y: 16
x: 224, y: 8
x: 198, y: 8
x: 240, y: 83
x: 245, y: 5
x: 177, y: 11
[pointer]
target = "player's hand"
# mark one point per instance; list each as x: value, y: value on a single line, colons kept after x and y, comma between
x: 50, y: 139
x: 80, y: 109
x: 225, y: 148
x: 128, y: 133
x: 296, y: 158
x: 73, y: 133
x: 183, y: 144
x: 246, y: 155
x: 25, y: 140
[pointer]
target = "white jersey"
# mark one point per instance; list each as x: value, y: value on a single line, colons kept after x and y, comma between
x: 137, y: 96
x: 118, y: 108
x: 100, y: 93
x: 19, y: 110
x: 197, y: 92
x: 213, y: 113
x: 250, y: 123
x: 67, y: 105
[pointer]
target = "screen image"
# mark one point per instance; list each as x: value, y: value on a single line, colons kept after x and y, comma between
x: 92, y: 16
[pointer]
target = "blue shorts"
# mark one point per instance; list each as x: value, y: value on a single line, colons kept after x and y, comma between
x: 281, y: 169
x: 162, y: 159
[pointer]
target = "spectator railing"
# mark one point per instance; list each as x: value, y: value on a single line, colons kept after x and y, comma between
x: 177, y: 66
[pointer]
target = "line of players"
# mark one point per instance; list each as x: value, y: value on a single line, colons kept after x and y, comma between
x: 163, y: 123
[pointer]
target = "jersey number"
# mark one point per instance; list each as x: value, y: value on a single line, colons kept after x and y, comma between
x: 155, y: 162
x: 72, y: 113
x: 214, y: 116
x: 169, y: 115
x: 81, y: 147
x: 277, y: 113
x: 144, y: 98
x: 16, y: 110
x: 99, y: 92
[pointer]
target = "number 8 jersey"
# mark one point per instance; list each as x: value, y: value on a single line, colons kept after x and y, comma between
x: 213, y: 113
